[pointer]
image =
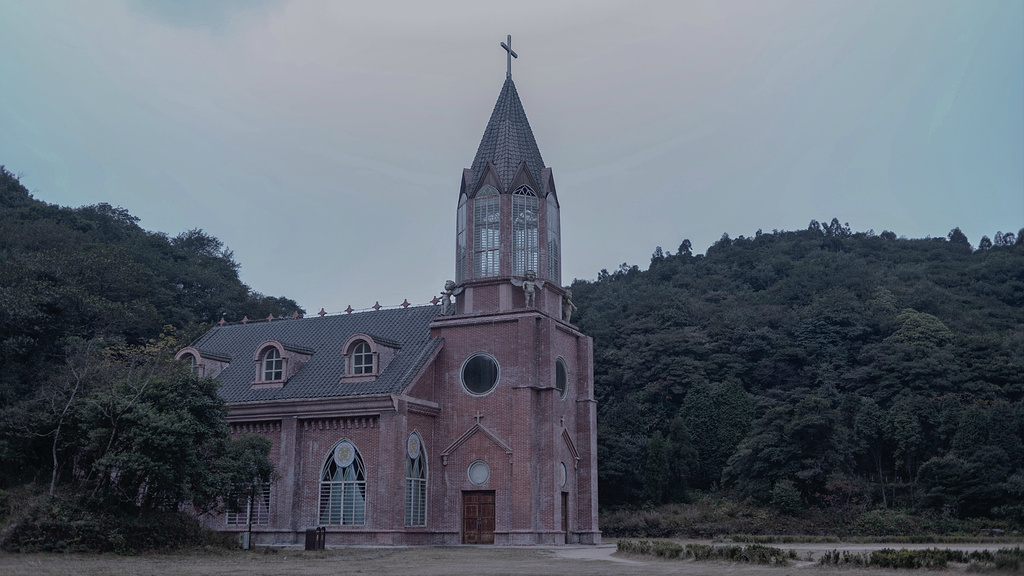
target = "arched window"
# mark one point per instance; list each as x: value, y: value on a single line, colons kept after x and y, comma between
x: 249, y: 505
x: 554, y: 271
x: 273, y: 365
x: 460, y: 241
x: 561, y: 378
x: 486, y: 233
x: 193, y: 363
x: 524, y: 231
x: 343, y: 487
x: 415, y: 482
x: 362, y: 358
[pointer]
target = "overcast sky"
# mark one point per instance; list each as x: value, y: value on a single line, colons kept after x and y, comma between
x: 324, y: 141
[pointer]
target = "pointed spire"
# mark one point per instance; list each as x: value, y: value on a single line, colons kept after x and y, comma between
x: 508, y: 140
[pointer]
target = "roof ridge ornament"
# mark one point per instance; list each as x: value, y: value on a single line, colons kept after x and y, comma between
x: 511, y: 54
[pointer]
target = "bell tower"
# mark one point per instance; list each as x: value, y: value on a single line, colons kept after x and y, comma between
x: 507, y: 224
x: 514, y: 378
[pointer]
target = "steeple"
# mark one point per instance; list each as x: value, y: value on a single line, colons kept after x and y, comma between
x: 508, y: 141
x: 507, y: 226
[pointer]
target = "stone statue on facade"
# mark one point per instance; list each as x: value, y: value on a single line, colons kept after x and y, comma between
x: 567, y: 306
x: 450, y: 290
x: 530, y: 285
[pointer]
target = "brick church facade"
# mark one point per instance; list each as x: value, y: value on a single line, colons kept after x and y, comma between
x: 470, y: 421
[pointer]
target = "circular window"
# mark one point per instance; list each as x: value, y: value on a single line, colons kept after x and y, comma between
x: 344, y: 454
x: 479, y: 472
x: 480, y: 374
x: 412, y: 446
x: 561, y: 378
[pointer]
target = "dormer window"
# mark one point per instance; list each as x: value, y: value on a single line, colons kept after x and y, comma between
x: 277, y: 362
x: 204, y: 364
x: 273, y: 365
x: 362, y: 358
x: 367, y: 356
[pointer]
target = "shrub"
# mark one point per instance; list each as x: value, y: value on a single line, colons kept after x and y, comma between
x: 59, y: 525
x: 786, y: 497
x: 666, y: 549
x: 634, y: 546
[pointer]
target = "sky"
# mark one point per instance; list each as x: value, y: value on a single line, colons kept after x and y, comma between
x: 324, y: 141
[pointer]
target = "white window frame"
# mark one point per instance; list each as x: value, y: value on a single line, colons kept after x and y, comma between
x: 525, y: 232
x: 343, y: 500
x: 487, y: 234
x: 257, y: 509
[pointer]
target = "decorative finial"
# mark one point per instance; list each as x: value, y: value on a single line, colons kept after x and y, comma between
x: 222, y: 321
x: 405, y: 303
x: 245, y: 319
x: 322, y: 313
x: 376, y: 306
x: 511, y: 54
x: 270, y: 317
x: 435, y: 300
x: 295, y: 315
x: 349, y: 310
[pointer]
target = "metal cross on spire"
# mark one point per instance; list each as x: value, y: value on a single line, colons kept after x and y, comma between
x: 511, y: 54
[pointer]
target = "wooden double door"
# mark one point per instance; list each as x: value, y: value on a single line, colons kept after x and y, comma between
x: 478, y: 517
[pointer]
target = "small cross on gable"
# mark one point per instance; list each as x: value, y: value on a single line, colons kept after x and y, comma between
x: 479, y: 415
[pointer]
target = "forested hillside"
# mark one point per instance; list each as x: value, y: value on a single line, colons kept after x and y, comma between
x: 92, y: 309
x: 814, y: 368
x: 93, y: 272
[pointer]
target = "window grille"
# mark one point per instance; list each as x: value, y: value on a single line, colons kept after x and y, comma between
x: 554, y: 270
x: 524, y: 231
x: 343, y: 489
x: 460, y: 241
x: 273, y: 365
x: 486, y: 236
x: 241, y: 509
x: 362, y: 358
x: 416, y: 488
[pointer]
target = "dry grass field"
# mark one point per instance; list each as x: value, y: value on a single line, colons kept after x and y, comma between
x: 440, y: 561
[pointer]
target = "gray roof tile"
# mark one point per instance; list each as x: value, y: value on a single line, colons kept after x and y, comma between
x: 407, y: 329
x: 508, y: 140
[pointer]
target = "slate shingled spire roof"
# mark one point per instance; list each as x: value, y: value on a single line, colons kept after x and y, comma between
x: 508, y: 140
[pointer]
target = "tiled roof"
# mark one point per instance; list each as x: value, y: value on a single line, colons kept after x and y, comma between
x: 406, y: 329
x: 508, y: 140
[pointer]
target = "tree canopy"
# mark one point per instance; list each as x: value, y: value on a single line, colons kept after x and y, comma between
x: 823, y: 363
x: 92, y: 309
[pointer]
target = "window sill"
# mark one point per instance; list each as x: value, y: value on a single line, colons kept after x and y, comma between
x: 358, y: 377
x: 261, y: 384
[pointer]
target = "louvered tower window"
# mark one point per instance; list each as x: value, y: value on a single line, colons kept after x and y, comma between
x: 524, y: 231
x: 554, y: 253
x: 486, y: 233
x: 460, y: 241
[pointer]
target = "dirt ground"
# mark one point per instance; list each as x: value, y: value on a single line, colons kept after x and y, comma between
x: 439, y: 561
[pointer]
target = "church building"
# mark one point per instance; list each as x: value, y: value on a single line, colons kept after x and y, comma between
x: 469, y: 421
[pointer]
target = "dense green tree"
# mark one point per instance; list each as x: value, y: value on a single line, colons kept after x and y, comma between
x: 803, y: 444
